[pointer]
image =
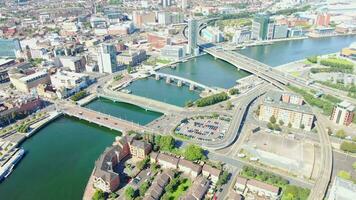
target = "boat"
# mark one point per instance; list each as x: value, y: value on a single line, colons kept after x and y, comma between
x: 126, y: 91
x: 8, y: 167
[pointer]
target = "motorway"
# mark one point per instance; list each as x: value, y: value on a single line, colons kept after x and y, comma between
x: 272, y: 75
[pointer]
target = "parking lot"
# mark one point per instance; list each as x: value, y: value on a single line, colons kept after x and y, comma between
x: 204, y: 128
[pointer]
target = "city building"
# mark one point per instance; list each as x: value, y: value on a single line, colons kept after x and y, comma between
x: 132, y: 57
x: 29, y: 83
x: 295, y: 32
x: 189, y: 168
x: 141, y: 18
x: 241, y: 36
x: 193, y: 37
x: 280, y: 31
x: 342, y: 189
x: 105, y: 176
x: 212, y: 34
x: 167, y: 161
x: 251, y: 186
x: 107, y: 62
x: 73, y: 63
x: 343, y: 113
x: 322, y: 19
x: 139, y: 149
x: 198, y: 189
x: 211, y: 172
x: 287, y: 108
x: 174, y: 53
x: 158, y: 40
x: 157, y: 187
x: 349, y: 52
x: 262, y: 27
x: 166, y: 18
x: 68, y: 83
x: 184, y: 4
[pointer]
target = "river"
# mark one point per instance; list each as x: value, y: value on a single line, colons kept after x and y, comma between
x: 284, y: 52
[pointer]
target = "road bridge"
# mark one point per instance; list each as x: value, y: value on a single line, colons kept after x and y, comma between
x: 180, y: 81
x: 100, y: 119
x: 143, y: 102
x: 269, y: 74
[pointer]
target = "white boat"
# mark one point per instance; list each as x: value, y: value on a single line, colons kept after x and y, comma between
x: 8, y: 167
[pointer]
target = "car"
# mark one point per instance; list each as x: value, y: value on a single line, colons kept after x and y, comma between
x: 80, y: 113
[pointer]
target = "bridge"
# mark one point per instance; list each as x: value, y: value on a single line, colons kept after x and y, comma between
x: 180, y: 81
x: 143, y: 102
x: 269, y: 74
x: 100, y: 119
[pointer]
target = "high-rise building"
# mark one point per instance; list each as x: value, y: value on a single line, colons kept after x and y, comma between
x: 323, y: 19
x: 185, y: 4
x: 280, y: 31
x: 166, y: 3
x: 262, y: 27
x: 343, y: 113
x: 107, y: 59
x: 193, y: 37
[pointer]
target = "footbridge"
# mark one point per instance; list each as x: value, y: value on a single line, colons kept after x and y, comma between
x: 180, y: 81
x: 143, y: 102
x: 100, y: 119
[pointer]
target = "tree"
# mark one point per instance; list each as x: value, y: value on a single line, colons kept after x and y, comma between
x: 272, y: 119
x: 234, y: 91
x: 223, y: 178
x: 344, y: 175
x: 98, y: 195
x: 302, y: 126
x: 113, y: 195
x: 166, y: 143
x: 193, y: 152
x: 129, y: 193
x: 228, y: 105
x: 341, y: 134
x: 354, y: 165
x: 189, y: 103
x: 143, y: 188
x: 289, y: 125
x: 129, y: 69
x: 281, y: 122
x: 143, y: 163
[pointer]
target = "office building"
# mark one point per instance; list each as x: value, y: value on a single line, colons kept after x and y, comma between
x: 262, y: 27
x: 107, y: 59
x: 173, y: 53
x: 73, y: 63
x: 288, y: 108
x: 322, y: 19
x: 166, y: 3
x: 132, y: 58
x: 295, y: 32
x: 241, y: 36
x: 141, y: 18
x: 184, y: 4
x: 158, y: 40
x: 280, y: 31
x: 193, y: 37
x: 28, y: 83
x: 343, y: 113
x: 212, y: 34
x: 166, y: 18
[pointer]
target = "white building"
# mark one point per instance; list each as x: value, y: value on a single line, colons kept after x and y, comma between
x: 343, y: 113
x: 67, y: 83
x: 241, y: 36
x: 342, y: 189
x: 107, y: 59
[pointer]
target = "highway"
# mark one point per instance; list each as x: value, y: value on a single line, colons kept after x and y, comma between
x: 272, y: 75
x: 238, y: 118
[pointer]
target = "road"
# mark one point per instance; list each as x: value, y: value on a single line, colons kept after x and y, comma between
x: 272, y: 75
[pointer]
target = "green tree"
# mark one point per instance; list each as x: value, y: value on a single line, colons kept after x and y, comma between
x: 281, y: 122
x: 129, y: 69
x: 143, y: 163
x: 272, y: 119
x: 302, y: 126
x: 341, y: 134
x: 344, y: 175
x: 223, y: 178
x: 193, y: 152
x: 229, y: 105
x: 129, y: 193
x: 233, y: 91
x: 98, y: 195
x: 113, y: 195
x: 354, y: 165
x: 143, y: 188
x: 289, y: 125
x: 166, y: 143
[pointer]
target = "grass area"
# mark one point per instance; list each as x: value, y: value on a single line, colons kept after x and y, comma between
x: 234, y: 22
x: 181, y: 189
x: 295, y: 74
